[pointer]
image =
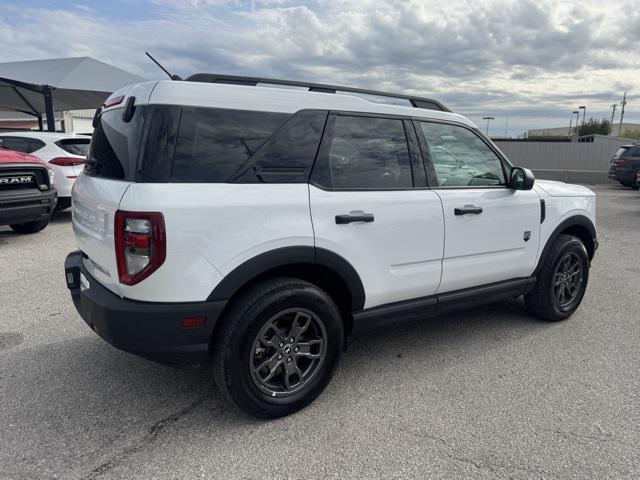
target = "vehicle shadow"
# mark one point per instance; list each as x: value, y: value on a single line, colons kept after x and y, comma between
x: 85, y: 385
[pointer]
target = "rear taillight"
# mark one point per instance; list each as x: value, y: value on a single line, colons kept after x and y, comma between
x: 141, y: 245
x: 68, y: 161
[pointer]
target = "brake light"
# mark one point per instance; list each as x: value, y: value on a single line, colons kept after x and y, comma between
x: 620, y: 162
x: 68, y: 161
x: 141, y: 245
x: 113, y: 101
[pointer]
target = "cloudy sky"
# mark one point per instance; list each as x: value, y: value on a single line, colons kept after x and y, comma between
x: 532, y: 62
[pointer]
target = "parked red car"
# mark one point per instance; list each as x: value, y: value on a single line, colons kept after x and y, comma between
x: 27, y: 193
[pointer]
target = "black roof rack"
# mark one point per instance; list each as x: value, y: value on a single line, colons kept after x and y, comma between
x: 418, y: 102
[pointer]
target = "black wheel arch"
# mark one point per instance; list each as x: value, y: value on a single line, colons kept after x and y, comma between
x: 580, y: 226
x: 314, y: 264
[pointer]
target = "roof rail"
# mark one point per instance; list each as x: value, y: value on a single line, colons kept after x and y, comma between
x: 418, y: 102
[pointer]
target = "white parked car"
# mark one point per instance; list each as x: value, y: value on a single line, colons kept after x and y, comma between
x: 65, y: 154
x: 262, y: 227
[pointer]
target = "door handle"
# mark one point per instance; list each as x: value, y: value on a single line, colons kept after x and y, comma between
x: 358, y: 217
x: 468, y: 209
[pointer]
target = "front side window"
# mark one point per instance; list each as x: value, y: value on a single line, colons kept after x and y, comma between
x: 460, y: 158
x: 364, y: 153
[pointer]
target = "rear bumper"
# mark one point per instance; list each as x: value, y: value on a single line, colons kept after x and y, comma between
x: 148, y: 329
x: 26, y: 206
x: 622, y: 175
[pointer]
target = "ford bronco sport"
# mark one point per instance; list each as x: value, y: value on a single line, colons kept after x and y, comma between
x: 259, y: 227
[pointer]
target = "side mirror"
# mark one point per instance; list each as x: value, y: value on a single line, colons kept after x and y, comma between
x: 521, y: 179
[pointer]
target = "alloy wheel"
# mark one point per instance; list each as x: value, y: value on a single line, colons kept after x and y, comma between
x: 288, y: 352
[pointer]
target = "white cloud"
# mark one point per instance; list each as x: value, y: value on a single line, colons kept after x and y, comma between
x: 478, y: 56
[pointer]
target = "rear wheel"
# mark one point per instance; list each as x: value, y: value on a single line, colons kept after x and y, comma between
x: 30, y: 227
x: 278, y: 348
x: 636, y: 182
x: 562, y: 280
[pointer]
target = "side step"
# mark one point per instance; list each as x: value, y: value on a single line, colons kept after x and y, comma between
x: 410, y: 310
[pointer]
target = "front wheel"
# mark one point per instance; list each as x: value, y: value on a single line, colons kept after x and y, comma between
x: 562, y: 280
x: 30, y: 227
x: 278, y: 347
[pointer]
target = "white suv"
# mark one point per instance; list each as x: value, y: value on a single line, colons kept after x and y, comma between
x: 261, y: 226
x: 65, y: 153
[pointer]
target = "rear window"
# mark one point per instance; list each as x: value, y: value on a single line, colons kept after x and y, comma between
x: 621, y: 151
x: 75, y: 146
x: 113, y: 151
x: 213, y: 144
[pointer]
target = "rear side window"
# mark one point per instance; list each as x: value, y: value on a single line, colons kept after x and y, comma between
x: 75, y: 146
x: 214, y: 144
x: 362, y: 152
x: 22, y: 144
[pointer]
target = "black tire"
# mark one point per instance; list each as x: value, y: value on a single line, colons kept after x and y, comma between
x: 63, y: 203
x: 237, y: 346
x: 636, y: 182
x: 30, y: 227
x: 543, y: 300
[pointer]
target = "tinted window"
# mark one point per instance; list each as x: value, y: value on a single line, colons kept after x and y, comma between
x: 460, y: 157
x: 17, y: 144
x: 213, y: 144
x: 621, y: 151
x: 75, y: 146
x: 364, y: 152
x: 159, y: 143
x: 113, y: 152
x: 288, y: 155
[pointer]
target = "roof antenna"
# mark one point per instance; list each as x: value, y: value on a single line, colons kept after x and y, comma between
x: 172, y: 77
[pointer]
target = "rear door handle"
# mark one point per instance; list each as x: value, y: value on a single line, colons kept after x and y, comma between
x: 358, y: 217
x: 468, y: 209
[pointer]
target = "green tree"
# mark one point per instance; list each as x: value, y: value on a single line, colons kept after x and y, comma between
x: 633, y: 133
x: 593, y: 126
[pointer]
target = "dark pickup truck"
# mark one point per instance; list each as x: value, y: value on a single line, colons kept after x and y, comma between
x: 27, y: 193
x: 625, y: 166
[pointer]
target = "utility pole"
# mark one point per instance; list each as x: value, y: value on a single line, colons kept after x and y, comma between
x: 488, y: 119
x: 613, y: 114
x: 623, y: 103
x: 506, y: 124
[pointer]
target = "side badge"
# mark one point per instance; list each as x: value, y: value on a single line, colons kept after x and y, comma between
x: 527, y: 235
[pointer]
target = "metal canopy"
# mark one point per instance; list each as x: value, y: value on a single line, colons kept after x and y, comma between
x: 44, y: 86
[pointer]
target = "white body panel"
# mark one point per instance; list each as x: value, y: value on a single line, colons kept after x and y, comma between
x: 95, y: 201
x: 64, y: 176
x: 398, y: 255
x: 489, y: 247
x: 221, y: 226
x: 561, y: 208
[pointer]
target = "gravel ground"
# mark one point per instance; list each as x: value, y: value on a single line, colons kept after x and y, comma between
x: 488, y: 393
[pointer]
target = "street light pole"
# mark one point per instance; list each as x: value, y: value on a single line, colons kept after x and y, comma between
x: 577, y: 114
x: 584, y: 113
x: 488, y: 119
x: 570, y: 125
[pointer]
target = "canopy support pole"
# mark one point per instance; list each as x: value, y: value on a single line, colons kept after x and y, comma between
x: 48, y: 105
x: 40, y: 122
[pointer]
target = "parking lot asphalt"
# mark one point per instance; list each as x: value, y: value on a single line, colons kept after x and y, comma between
x: 486, y: 393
